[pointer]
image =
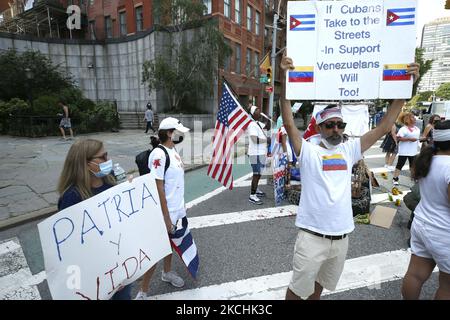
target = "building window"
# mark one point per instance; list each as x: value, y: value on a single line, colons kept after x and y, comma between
x: 208, y: 5
x: 237, y: 55
x: 248, y: 62
x: 91, y: 2
x: 139, y: 19
x: 227, y: 62
x: 257, y: 17
x: 237, y: 11
x: 249, y: 18
x: 226, y: 8
x: 256, y: 65
x: 123, y: 23
x: 108, y: 27
x: 92, y: 30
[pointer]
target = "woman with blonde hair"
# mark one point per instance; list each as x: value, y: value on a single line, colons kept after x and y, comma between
x: 87, y: 171
x: 408, y: 143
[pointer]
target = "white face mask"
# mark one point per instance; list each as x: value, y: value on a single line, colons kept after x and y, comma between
x: 177, y: 137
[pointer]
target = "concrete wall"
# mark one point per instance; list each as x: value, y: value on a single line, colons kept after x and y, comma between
x: 111, y: 71
x: 207, y: 121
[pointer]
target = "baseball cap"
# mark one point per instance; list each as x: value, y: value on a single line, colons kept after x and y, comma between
x: 326, y: 114
x: 253, y: 109
x: 172, y: 123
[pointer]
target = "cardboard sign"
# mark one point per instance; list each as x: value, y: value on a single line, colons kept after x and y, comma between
x: 93, y: 248
x: 382, y: 216
x: 350, y: 50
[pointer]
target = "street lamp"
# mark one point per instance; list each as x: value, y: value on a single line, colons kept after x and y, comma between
x: 29, y: 75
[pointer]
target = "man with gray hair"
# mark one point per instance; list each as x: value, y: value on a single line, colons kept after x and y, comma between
x: 324, y: 214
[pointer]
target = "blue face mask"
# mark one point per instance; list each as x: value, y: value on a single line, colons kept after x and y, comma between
x: 105, y: 168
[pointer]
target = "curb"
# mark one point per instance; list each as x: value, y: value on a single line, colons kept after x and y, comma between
x: 46, y: 212
x: 27, y: 217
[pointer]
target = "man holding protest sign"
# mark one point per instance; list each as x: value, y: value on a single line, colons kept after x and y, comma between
x: 325, y: 212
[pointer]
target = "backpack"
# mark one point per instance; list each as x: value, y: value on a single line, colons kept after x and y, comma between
x: 142, y: 160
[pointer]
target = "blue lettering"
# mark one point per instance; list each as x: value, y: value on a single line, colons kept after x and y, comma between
x: 106, y: 210
x: 131, y: 201
x: 144, y: 187
x: 56, y: 237
x: 94, y: 226
x: 117, y: 207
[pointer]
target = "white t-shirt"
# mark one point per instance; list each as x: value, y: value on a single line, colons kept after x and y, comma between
x: 434, y: 205
x: 256, y: 149
x: 408, y: 148
x: 173, y: 180
x: 326, y: 199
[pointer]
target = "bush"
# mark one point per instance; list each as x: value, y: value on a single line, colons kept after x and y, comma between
x: 46, y: 106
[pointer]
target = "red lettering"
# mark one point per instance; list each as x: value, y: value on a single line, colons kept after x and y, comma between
x: 112, y: 280
x: 141, y: 258
x: 124, y: 264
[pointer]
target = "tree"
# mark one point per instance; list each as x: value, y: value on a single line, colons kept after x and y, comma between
x: 425, y: 65
x: 422, y: 96
x: 47, y: 78
x: 188, y: 64
x: 443, y: 91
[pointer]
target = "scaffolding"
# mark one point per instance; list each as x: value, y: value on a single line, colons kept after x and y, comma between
x: 47, y: 19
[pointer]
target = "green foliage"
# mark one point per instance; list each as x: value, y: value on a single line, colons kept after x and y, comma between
x: 443, y: 91
x: 46, y: 106
x: 188, y: 65
x: 46, y: 77
x: 425, y: 65
x: 423, y: 96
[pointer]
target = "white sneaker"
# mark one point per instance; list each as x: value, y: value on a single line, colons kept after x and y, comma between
x: 254, y: 199
x: 173, y: 278
x: 395, y: 182
x: 141, y: 296
x: 386, y: 166
x: 260, y: 193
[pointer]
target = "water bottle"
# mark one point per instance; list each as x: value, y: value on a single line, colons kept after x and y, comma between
x: 119, y: 173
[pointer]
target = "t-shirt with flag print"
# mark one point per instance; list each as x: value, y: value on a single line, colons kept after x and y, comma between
x: 325, y: 202
x: 173, y: 180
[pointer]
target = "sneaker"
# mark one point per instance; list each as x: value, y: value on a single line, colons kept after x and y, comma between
x: 254, y: 199
x: 260, y: 193
x: 141, y: 296
x: 173, y: 278
x: 395, y: 181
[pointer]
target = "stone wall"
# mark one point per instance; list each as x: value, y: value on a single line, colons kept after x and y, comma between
x: 110, y: 70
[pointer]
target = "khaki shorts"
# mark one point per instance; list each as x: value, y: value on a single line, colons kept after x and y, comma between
x: 317, y: 259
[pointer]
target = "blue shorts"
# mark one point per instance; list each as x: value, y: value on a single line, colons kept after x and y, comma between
x: 258, y: 163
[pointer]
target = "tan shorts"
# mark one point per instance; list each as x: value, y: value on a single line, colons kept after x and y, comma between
x: 317, y: 259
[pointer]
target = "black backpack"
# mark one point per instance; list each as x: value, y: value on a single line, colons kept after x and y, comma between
x: 142, y: 160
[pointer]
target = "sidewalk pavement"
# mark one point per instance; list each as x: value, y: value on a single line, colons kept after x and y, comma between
x: 30, y: 167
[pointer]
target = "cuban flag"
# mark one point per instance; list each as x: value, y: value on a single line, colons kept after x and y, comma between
x: 183, y: 243
x: 302, y: 74
x: 394, y: 72
x: 400, y: 17
x: 302, y: 22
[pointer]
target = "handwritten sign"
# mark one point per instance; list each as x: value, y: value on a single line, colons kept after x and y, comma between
x: 350, y: 50
x: 97, y: 246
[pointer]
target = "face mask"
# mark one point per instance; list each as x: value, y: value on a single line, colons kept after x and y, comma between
x: 105, y: 169
x: 332, y: 142
x: 177, y: 137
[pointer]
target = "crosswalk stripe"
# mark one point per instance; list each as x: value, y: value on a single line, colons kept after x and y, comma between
x: 19, y: 283
x: 383, y: 169
x: 366, y: 271
x: 241, y: 216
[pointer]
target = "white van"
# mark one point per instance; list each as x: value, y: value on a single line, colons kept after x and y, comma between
x: 441, y: 108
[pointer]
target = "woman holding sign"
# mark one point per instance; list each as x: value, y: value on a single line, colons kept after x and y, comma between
x: 87, y: 171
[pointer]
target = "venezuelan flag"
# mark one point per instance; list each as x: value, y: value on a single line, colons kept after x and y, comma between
x: 333, y: 163
x: 393, y: 72
x: 302, y: 74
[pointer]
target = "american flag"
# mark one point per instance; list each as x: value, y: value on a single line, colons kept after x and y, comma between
x: 183, y: 243
x: 231, y: 122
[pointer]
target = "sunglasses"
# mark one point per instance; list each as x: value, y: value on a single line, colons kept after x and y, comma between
x: 103, y: 157
x: 332, y: 124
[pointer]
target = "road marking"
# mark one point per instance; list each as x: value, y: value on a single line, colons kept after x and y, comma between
x: 241, y: 216
x: 18, y: 283
x: 383, y: 169
x: 374, y: 156
x: 366, y: 271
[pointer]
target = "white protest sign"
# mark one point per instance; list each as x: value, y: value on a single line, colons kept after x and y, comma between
x: 93, y: 248
x: 350, y: 50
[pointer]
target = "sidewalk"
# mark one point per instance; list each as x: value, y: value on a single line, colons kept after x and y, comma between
x: 30, y: 168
